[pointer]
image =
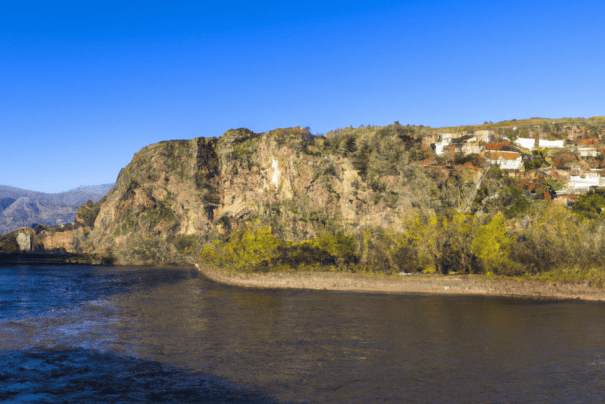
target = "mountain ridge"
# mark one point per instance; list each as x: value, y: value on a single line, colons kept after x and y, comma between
x: 23, y: 208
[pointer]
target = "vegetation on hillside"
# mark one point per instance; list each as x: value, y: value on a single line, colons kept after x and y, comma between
x: 513, y: 228
x: 368, y: 199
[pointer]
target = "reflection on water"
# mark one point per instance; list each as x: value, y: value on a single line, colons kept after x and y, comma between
x: 302, y: 346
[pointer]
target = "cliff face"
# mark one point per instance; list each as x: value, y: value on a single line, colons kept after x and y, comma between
x: 298, y: 184
x: 175, y: 193
x: 370, y: 199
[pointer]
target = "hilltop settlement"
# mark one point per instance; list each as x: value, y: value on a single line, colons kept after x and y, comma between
x: 519, y: 198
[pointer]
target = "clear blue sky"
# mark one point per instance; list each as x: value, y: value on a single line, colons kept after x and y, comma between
x: 84, y: 85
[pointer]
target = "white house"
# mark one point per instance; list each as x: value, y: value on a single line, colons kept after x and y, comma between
x: 465, y: 144
x: 526, y: 143
x: 446, y: 137
x: 588, y: 151
x: 530, y: 143
x: 443, y: 140
x: 550, y: 144
x: 586, y: 181
x: 439, y: 148
x: 506, y: 160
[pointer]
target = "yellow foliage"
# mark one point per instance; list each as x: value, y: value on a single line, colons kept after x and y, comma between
x: 492, y: 244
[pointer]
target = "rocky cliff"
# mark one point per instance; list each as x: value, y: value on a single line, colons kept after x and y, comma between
x: 175, y: 195
x: 356, y: 199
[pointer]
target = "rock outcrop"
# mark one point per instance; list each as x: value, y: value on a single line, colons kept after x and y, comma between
x: 298, y: 184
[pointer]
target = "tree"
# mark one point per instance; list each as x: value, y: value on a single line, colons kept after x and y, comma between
x: 589, y: 205
x: 492, y: 244
x: 513, y: 201
x: 562, y: 159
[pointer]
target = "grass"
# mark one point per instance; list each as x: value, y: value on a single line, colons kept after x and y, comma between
x: 594, y: 276
x: 596, y: 120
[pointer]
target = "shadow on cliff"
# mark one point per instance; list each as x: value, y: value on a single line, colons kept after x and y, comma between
x: 86, y: 376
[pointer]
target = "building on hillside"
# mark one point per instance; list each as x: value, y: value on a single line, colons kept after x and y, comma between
x: 531, y: 143
x: 506, y: 160
x: 588, y: 151
x: 526, y: 143
x: 567, y: 196
x: 468, y: 148
x: 443, y: 140
x: 483, y: 135
x: 465, y: 144
x: 446, y: 137
x: 590, y: 142
x: 584, y: 181
x: 550, y: 144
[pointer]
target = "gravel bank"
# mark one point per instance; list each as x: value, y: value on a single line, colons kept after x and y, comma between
x: 460, y: 285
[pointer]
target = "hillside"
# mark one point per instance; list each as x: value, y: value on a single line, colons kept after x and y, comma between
x: 23, y: 208
x: 180, y: 194
x: 381, y: 199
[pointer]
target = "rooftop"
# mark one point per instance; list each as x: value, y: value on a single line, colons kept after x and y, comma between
x: 504, y: 155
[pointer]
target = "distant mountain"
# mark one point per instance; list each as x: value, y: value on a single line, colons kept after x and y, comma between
x: 22, y: 208
x: 93, y: 189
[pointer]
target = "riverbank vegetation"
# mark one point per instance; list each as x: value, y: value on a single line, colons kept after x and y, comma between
x: 459, y: 215
x: 547, y: 242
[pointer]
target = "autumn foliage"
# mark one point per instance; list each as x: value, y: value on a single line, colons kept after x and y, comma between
x: 496, y: 146
x: 588, y: 142
x: 562, y: 159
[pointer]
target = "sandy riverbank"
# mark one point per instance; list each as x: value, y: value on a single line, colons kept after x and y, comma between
x: 462, y: 285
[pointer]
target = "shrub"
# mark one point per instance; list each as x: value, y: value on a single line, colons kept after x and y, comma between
x: 589, y: 205
x: 562, y: 159
x: 492, y: 244
x: 257, y: 249
x: 513, y: 202
x: 186, y: 244
x: 88, y: 212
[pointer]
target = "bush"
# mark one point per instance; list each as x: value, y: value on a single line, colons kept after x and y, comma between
x: 589, y: 205
x: 562, y: 159
x: 186, y: 244
x: 88, y: 212
x: 513, y: 201
x: 257, y: 249
x: 557, y: 238
x: 475, y: 159
x: 492, y: 244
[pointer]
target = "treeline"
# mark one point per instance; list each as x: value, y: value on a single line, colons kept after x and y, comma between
x: 547, y: 238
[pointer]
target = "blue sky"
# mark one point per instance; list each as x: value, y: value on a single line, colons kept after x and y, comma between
x: 85, y: 85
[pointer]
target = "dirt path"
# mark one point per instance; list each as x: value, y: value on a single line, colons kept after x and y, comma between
x: 461, y: 285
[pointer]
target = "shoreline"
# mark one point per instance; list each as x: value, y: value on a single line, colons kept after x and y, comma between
x: 423, y: 284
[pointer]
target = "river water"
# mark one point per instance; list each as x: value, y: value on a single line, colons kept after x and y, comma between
x: 132, y: 334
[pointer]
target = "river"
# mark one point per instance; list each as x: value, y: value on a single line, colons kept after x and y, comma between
x: 137, y: 334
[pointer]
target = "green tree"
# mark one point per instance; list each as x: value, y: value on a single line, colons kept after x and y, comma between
x: 492, y: 244
x: 589, y: 205
x: 453, y: 247
x: 513, y: 202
